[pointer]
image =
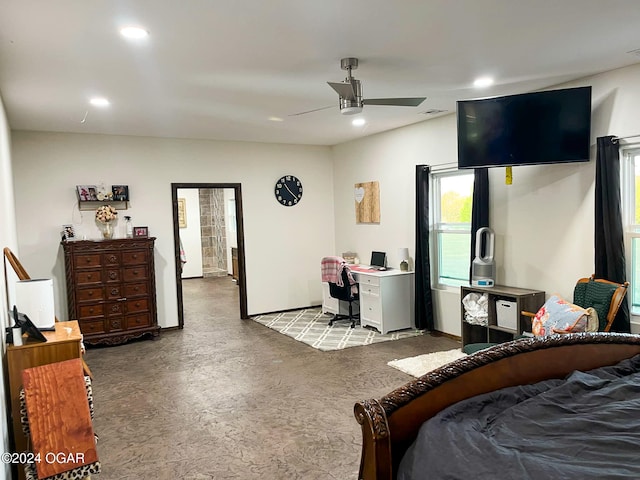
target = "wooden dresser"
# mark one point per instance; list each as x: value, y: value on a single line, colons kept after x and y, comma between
x: 111, y: 288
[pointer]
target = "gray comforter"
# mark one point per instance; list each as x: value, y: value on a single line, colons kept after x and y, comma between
x: 586, y: 426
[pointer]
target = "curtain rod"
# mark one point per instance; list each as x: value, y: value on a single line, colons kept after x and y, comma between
x: 444, y: 166
x: 615, y: 139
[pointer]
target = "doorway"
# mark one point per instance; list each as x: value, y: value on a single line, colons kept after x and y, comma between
x: 240, y: 266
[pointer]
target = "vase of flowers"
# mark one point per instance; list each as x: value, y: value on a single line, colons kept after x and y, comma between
x: 105, y: 216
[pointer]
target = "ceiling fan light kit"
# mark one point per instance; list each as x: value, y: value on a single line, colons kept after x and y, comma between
x: 350, y: 93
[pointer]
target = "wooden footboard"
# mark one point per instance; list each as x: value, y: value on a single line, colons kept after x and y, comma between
x: 391, y: 423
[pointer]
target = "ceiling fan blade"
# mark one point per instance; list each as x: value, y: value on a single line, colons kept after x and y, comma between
x: 345, y: 90
x: 309, y: 111
x: 398, y: 102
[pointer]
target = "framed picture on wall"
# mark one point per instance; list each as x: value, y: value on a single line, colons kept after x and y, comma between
x: 87, y: 193
x: 140, y: 232
x: 182, y: 213
x: 120, y: 193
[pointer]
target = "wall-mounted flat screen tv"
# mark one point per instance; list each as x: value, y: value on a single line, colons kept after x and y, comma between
x: 527, y: 129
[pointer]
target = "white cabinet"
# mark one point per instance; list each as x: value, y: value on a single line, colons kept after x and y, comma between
x: 387, y: 300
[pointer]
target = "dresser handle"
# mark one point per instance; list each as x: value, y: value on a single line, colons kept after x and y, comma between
x: 137, y: 304
x: 135, y: 272
x: 121, y: 299
x: 91, y: 293
x: 89, y: 276
x: 88, y: 260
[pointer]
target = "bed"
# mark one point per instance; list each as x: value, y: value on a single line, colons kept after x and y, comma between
x: 391, y: 424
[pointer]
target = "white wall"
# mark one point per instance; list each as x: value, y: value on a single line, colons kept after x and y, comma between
x: 47, y: 166
x: 7, y: 239
x: 191, y: 235
x: 543, y: 222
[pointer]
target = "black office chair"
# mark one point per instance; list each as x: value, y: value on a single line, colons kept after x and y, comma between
x: 344, y: 293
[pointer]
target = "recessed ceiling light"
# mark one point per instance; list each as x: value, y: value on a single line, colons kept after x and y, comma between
x: 134, y: 32
x: 276, y: 119
x: 99, y: 102
x: 358, y: 122
x: 483, y: 82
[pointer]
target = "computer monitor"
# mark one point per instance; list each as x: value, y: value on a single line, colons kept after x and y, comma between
x: 378, y: 259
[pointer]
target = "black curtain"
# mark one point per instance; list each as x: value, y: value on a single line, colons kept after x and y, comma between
x: 609, y: 241
x: 424, y: 300
x: 479, y: 207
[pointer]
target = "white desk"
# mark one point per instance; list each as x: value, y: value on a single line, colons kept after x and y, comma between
x: 386, y: 299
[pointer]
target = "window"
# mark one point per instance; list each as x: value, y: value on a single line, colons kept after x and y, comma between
x: 630, y: 191
x: 452, y: 197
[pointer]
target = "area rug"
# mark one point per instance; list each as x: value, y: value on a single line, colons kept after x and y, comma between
x: 311, y: 326
x: 418, y: 366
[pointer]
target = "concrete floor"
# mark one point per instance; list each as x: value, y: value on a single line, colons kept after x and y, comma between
x: 226, y: 398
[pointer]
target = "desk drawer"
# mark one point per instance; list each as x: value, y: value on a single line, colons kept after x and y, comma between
x: 372, y: 290
x: 371, y: 311
x: 364, y: 279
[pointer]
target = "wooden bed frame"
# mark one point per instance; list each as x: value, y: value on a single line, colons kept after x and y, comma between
x: 390, y: 424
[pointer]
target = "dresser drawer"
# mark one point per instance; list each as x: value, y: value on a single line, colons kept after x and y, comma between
x: 115, y: 324
x: 114, y: 308
x: 111, y: 259
x: 135, y: 289
x: 88, y: 311
x: 112, y: 275
x: 134, y: 258
x: 365, y: 279
x: 90, y: 294
x: 113, y: 291
x: 137, y: 305
x: 88, y: 277
x: 138, y: 321
x: 90, y: 327
x: 88, y: 260
x: 132, y: 274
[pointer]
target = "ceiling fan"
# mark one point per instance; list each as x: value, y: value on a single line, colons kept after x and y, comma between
x: 350, y: 93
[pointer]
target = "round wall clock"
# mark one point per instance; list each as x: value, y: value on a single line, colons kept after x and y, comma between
x: 288, y: 190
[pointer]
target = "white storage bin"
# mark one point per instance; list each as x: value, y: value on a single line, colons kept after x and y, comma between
x: 507, y: 314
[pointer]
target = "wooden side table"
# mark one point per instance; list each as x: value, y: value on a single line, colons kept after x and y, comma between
x: 64, y: 343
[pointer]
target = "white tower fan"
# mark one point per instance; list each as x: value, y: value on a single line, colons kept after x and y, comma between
x: 483, y: 268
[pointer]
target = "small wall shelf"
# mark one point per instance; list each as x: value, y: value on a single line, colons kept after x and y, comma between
x: 94, y: 204
x: 91, y: 197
